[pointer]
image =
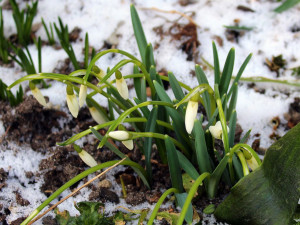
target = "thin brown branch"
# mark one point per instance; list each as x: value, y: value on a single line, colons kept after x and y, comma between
x: 173, y: 12
x: 74, y: 192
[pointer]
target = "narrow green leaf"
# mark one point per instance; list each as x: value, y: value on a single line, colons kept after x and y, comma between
x: 239, y: 74
x: 187, y: 166
x: 227, y: 72
x: 181, y: 199
x: 177, y: 90
x: 233, y: 100
x: 201, y: 149
x: 139, y: 33
x: 39, y: 47
x: 216, y: 64
x: 149, y: 57
x: 139, y: 85
x: 150, y: 127
x: 86, y: 51
x: 245, y: 137
x: 286, y: 5
x: 202, y: 79
x: 174, y: 166
x: 232, y: 125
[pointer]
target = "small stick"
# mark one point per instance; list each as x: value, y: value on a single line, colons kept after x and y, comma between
x: 74, y: 192
x: 173, y: 12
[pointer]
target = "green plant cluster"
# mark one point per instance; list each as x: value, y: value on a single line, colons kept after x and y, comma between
x: 185, y: 141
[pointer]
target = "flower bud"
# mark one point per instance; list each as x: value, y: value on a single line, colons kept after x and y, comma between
x: 216, y: 130
x: 121, y: 85
x: 120, y: 135
x: 86, y: 157
x: 37, y: 94
x: 190, y: 115
x: 72, y: 101
x: 251, y: 161
x: 82, y: 94
x: 97, y: 116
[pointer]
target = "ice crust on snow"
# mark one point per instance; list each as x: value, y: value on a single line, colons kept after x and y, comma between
x: 270, y: 36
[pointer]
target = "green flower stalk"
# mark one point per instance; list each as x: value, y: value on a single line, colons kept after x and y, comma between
x: 191, y: 112
x: 121, y: 85
x: 37, y: 94
x: 72, y: 101
x: 82, y: 94
x: 86, y: 157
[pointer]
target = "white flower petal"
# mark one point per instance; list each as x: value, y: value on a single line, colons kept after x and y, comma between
x: 122, y: 88
x: 73, y: 105
x: 190, y: 115
x: 252, y: 163
x: 216, y: 130
x: 119, y: 135
x: 82, y: 94
x: 97, y: 116
x: 38, y: 96
x: 128, y: 144
x: 87, y: 158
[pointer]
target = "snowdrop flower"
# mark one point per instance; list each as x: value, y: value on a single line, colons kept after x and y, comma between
x: 216, y: 131
x: 97, y: 116
x: 72, y: 101
x: 82, y: 94
x: 120, y: 135
x: 124, y: 136
x: 251, y: 161
x: 86, y: 157
x: 37, y: 94
x: 121, y: 85
x: 191, y: 113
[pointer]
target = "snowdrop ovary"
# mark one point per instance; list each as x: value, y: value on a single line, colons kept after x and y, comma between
x: 251, y: 161
x: 37, y: 94
x: 216, y: 130
x: 72, y: 101
x: 121, y: 85
x: 120, y: 135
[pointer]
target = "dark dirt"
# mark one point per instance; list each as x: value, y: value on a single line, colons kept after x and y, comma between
x: 20, y: 200
x: 293, y: 114
x: 3, y: 178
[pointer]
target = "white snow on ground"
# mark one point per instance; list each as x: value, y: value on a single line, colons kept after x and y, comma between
x: 270, y: 36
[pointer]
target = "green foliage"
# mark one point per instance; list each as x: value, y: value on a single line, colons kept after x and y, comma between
x: 7, y: 95
x: 4, y: 53
x: 89, y: 215
x: 49, y: 32
x: 23, y: 21
x: 286, y: 5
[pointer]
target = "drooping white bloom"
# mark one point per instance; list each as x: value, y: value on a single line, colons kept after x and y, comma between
x: 37, y: 94
x: 190, y: 115
x: 97, y: 116
x: 82, y: 94
x: 87, y: 158
x: 252, y: 163
x: 72, y: 101
x: 128, y: 144
x: 120, y: 135
x: 121, y: 85
x: 216, y: 130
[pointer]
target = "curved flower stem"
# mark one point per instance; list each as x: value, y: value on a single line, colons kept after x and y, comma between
x: 126, y: 113
x: 100, y: 126
x: 159, y: 136
x: 264, y: 79
x: 159, y: 202
x: 76, y: 179
x: 243, y: 162
x: 190, y: 196
x: 133, y: 60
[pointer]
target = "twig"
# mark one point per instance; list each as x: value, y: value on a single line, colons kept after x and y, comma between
x: 173, y: 12
x: 74, y: 192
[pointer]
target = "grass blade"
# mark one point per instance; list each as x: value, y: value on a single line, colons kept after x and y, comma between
x: 233, y: 100
x: 149, y: 57
x: 201, y: 149
x: 232, y: 125
x: 86, y: 50
x: 286, y: 5
x: 150, y: 127
x: 138, y: 33
x: 216, y: 64
x: 176, y: 88
x: 187, y: 166
x: 174, y: 166
x: 227, y: 72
